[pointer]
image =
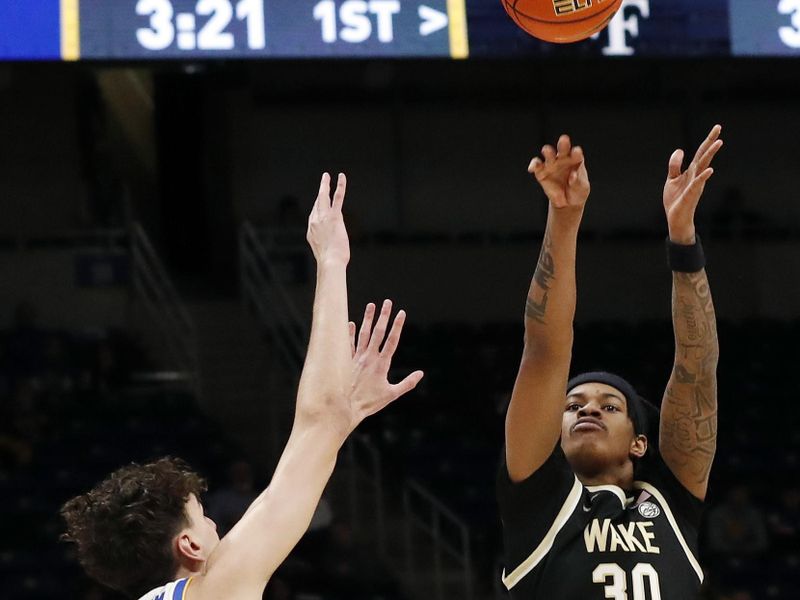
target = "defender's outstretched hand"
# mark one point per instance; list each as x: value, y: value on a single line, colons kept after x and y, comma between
x: 327, y: 234
x: 370, y: 389
x: 562, y: 174
x: 683, y: 190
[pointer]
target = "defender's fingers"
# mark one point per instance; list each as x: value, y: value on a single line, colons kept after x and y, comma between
x: 710, y: 139
x: 675, y: 164
x: 341, y: 188
x: 577, y: 154
x: 408, y: 384
x: 324, y: 187
x: 380, y: 326
x: 351, y: 331
x: 564, y: 145
x: 366, y: 328
x: 394, y: 335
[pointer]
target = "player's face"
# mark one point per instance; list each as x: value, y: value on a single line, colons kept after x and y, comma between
x: 203, y: 529
x: 596, y: 432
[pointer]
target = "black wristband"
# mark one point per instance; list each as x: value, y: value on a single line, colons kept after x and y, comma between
x: 686, y: 259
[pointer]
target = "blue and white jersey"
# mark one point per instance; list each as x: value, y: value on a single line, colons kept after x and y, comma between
x: 172, y: 591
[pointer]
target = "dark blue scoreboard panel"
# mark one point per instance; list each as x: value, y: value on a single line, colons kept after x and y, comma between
x: 276, y: 28
x: 208, y: 29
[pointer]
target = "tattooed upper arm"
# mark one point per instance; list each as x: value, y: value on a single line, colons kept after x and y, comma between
x: 688, y: 436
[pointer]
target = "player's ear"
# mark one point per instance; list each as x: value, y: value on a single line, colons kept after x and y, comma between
x: 638, y: 446
x: 188, y: 548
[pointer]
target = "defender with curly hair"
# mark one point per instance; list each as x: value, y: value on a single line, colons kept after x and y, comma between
x: 142, y: 530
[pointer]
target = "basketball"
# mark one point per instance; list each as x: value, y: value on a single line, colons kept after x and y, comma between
x: 562, y: 21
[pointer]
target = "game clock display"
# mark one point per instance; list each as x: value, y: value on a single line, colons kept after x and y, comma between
x: 280, y: 28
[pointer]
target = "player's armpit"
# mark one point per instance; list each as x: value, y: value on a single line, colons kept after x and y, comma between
x: 251, y: 552
x: 688, y: 436
x: 533, y: 420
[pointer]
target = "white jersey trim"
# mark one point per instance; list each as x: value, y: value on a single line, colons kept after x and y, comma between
x: 671, y: 518
x: 546, y: 544
x: 175, y: 590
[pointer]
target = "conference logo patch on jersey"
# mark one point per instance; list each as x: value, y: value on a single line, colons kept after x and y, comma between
x: 649, y: 510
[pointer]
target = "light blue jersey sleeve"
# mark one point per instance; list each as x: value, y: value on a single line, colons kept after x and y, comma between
x: 172, y: 591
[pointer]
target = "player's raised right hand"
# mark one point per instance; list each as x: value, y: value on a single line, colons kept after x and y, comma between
x: 562, y: 174
x: 370, y: 390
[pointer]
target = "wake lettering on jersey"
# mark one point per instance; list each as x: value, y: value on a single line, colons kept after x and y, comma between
x: 604, y: 537
x: 607, y: 537
x: 569, y: 541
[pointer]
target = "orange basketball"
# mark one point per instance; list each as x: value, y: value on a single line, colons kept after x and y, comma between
x: 562, y: 21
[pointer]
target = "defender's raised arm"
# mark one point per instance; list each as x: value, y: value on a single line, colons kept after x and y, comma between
x: 337, y: 391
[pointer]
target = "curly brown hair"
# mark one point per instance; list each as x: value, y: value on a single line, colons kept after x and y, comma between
x: 124, y: 526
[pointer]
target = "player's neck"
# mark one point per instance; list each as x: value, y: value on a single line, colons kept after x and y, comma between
x: 620, y: 476
x: 185, y: 572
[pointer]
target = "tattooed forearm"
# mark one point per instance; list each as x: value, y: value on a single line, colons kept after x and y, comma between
x: 536, y: 305
x: 689, y: 435
x: 689, y: 410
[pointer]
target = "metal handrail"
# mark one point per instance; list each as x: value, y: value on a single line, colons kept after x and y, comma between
x: 170, y: 319
x: 429, y: 520
x: 109, y: 239
x: 263, y: 291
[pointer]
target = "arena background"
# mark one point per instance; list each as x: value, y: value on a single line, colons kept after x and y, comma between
x: 156, y: 287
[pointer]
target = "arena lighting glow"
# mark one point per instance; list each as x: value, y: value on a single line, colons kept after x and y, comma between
x: 248, y: 29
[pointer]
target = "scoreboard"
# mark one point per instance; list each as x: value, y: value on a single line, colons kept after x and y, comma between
x: 247, y: 29
x: 275, y: 28
x: 208, y: 29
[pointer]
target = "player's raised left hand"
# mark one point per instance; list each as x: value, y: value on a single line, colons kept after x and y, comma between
x: 370, y: 390
x: 327, y: 234
x: 683, y: 189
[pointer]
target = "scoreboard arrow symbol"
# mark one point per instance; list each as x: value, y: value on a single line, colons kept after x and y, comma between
x: 432, y: 20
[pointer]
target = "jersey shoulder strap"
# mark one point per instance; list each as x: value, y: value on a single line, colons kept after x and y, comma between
x: 172, y: 591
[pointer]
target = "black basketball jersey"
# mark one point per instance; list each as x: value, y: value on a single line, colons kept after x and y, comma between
x: 567, y: 541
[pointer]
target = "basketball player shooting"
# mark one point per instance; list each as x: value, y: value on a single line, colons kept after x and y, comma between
x: 594, y: 504
x: 142, y: 531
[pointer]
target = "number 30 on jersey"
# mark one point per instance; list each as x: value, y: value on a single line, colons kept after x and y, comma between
x: 615, y: 581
